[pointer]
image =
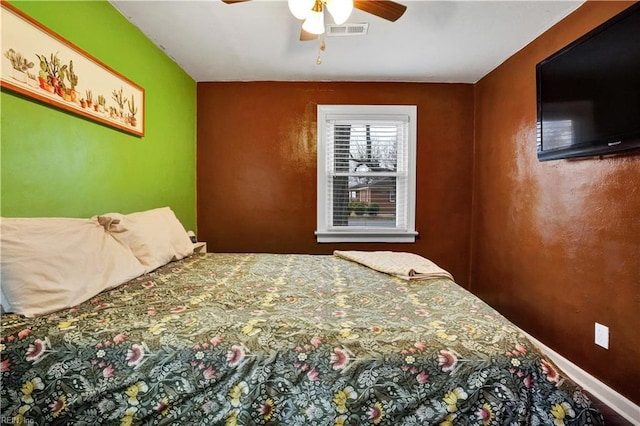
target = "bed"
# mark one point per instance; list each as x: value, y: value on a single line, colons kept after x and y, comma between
x: 252, y: 339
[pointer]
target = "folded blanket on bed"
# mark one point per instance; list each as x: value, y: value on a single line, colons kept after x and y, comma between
x: 408, y: 266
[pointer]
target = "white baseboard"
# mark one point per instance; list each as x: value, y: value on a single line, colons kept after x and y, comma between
x: 623, y: 406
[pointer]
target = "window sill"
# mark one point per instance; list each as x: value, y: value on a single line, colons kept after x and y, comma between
x: 366, y: 237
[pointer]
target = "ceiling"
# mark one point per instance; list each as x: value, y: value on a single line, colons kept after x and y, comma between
x: 434, y: 41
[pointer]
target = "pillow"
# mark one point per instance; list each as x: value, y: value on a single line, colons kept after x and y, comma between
x: 156, y: 237
x: 48, y: 264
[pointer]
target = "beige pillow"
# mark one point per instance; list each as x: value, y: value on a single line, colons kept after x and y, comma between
x: 156, y: 237
x: 48, y: 264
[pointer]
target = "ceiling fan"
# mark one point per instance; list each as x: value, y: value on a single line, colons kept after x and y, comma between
x: 312, y: 12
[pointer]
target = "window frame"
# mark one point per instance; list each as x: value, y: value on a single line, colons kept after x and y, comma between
x: 325, y: 233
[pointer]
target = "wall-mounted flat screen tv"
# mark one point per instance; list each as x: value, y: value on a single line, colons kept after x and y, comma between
x: 589, y: 92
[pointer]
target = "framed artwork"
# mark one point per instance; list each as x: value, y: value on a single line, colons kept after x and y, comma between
x: 41, y: 65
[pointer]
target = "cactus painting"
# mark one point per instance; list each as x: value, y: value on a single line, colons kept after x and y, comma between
x: 43, y: 66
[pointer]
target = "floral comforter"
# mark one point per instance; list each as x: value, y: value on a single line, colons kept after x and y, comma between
x: 254, y: 339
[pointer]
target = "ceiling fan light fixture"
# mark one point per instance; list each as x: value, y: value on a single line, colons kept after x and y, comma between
x: 314, y: 23
x: 340, y: 10
x: 300, y: 8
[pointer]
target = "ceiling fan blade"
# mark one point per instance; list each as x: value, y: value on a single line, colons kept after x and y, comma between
x: 307, y: 36
x: 389, y: 10
x: 234, y: 1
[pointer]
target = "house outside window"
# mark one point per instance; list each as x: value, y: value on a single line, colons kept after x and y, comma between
x: 366, y: 173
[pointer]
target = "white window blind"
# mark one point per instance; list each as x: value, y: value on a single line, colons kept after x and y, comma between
x: 366, y: 173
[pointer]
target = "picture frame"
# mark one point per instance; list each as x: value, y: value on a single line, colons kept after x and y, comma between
x: 42, y: 65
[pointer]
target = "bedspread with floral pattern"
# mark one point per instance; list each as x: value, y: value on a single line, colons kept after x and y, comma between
x: 257, y: 339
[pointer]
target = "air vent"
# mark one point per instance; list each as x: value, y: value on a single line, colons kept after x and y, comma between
x: 345, y: 30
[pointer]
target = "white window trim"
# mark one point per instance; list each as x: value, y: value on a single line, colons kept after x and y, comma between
x: 323, y: 232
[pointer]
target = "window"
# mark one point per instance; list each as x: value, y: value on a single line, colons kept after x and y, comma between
x: 366, y: 173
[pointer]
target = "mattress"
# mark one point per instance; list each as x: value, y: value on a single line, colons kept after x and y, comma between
x: 280, y: 339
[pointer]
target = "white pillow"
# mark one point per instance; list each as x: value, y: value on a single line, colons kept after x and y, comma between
x: 48, y: 264
x: 156, y: 237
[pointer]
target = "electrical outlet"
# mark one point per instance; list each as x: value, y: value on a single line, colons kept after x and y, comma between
x: 602, y: 336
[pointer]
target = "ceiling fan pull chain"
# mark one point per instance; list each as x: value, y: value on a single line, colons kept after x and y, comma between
x: 321, y: 49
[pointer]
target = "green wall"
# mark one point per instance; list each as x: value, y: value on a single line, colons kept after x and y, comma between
x: 58, y: 164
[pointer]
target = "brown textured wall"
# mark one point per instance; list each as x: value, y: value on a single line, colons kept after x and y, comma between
x: 556, y: 245
x: 256, y: 166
